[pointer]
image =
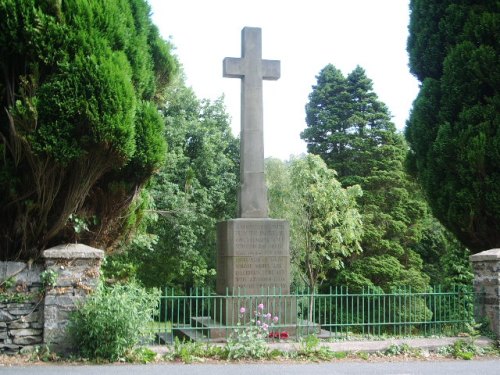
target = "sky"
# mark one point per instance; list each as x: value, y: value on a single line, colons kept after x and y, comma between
x: 305, y: 36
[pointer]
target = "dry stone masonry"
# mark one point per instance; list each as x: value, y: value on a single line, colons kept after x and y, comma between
x: 77, y: 268
x: 34, y: 313
x: 486, y: 266
x: 21, y: 306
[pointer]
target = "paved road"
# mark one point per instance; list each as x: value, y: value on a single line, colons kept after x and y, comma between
x: 480, y: 367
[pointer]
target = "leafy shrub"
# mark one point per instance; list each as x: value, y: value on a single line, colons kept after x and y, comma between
x: 112, y: 320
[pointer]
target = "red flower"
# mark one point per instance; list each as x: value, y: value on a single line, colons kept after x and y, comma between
x: 278, y: 335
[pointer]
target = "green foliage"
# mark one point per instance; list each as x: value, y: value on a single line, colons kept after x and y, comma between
x: 427, y: 46
x: 87, y: 103
x: 324, y: 220
x: 151, y: 146
x: 193, y: 351
x: 247, y: 343
x: 481, y: 328
x: 453, y: 130
x: 187, y: 352
x: 351, y: 130
x: 446, y: 261
x: 310, y: 343
x: 44, y: 354
x: 118, y: 268
x: 141, y: 355
x: 112, y: 321
x: 80, y: 88
x: 403, y: 349
x: 8, y: 283
x: 16, y: 297
x: 49, y: 279
x: 195, y: 190
x: 10, y: 292
x: 363, y: 355
x: 311, y: 349
x: 248, y: 339
x: 463, y: 349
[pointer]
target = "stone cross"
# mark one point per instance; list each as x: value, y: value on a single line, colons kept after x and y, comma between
x: 251, y: 69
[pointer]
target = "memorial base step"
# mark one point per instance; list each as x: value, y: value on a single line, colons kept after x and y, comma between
x: 206, y: 329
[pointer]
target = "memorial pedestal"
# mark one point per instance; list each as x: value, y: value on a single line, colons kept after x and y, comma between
x: 253, y: 258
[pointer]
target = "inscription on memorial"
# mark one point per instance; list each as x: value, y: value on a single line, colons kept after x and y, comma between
x: 257, y: 239
x: 254, y: 272
x: 253, y: 254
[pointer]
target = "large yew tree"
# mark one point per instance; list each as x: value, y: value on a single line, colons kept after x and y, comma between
x: 80, y: 133
x: 454, y: 127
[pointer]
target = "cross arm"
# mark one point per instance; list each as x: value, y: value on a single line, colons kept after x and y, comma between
x: 271, y: 69
x: 232, y: 67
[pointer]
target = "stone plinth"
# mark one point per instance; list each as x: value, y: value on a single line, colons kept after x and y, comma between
x: 253, y: 258
x: 77, y: 268
x: 253, y: 254
x: 486, y: 266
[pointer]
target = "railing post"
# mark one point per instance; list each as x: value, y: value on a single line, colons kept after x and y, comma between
x: 486, y: 266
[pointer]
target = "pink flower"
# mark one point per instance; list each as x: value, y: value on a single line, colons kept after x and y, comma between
x: 264, y: 326
x: 242, y: 310
x: 261, y: 306
x: 275, y: 319
x: 259, y: 322
x: 268, y: 315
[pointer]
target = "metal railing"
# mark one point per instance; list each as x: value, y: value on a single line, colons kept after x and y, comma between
x: 340, y: 314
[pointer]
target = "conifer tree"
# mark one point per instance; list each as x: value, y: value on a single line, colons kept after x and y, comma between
x: 80, y: 131
x: 454, y: 127
x: 351, y: 130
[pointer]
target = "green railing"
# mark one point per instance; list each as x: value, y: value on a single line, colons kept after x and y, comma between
x: 201, y: 314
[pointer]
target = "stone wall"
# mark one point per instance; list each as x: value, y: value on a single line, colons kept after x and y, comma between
x: 30, y: 315
x: 486, y: 266
x: 21, y: 306
x: 77, y: 268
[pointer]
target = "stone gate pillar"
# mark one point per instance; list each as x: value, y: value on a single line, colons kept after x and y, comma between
x: 77, y: 270
x: 486, y: 266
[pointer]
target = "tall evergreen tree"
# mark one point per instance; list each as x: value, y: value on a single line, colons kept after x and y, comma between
x: 80, y: 132
x: 351, y: 130
x: 454, y: 127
